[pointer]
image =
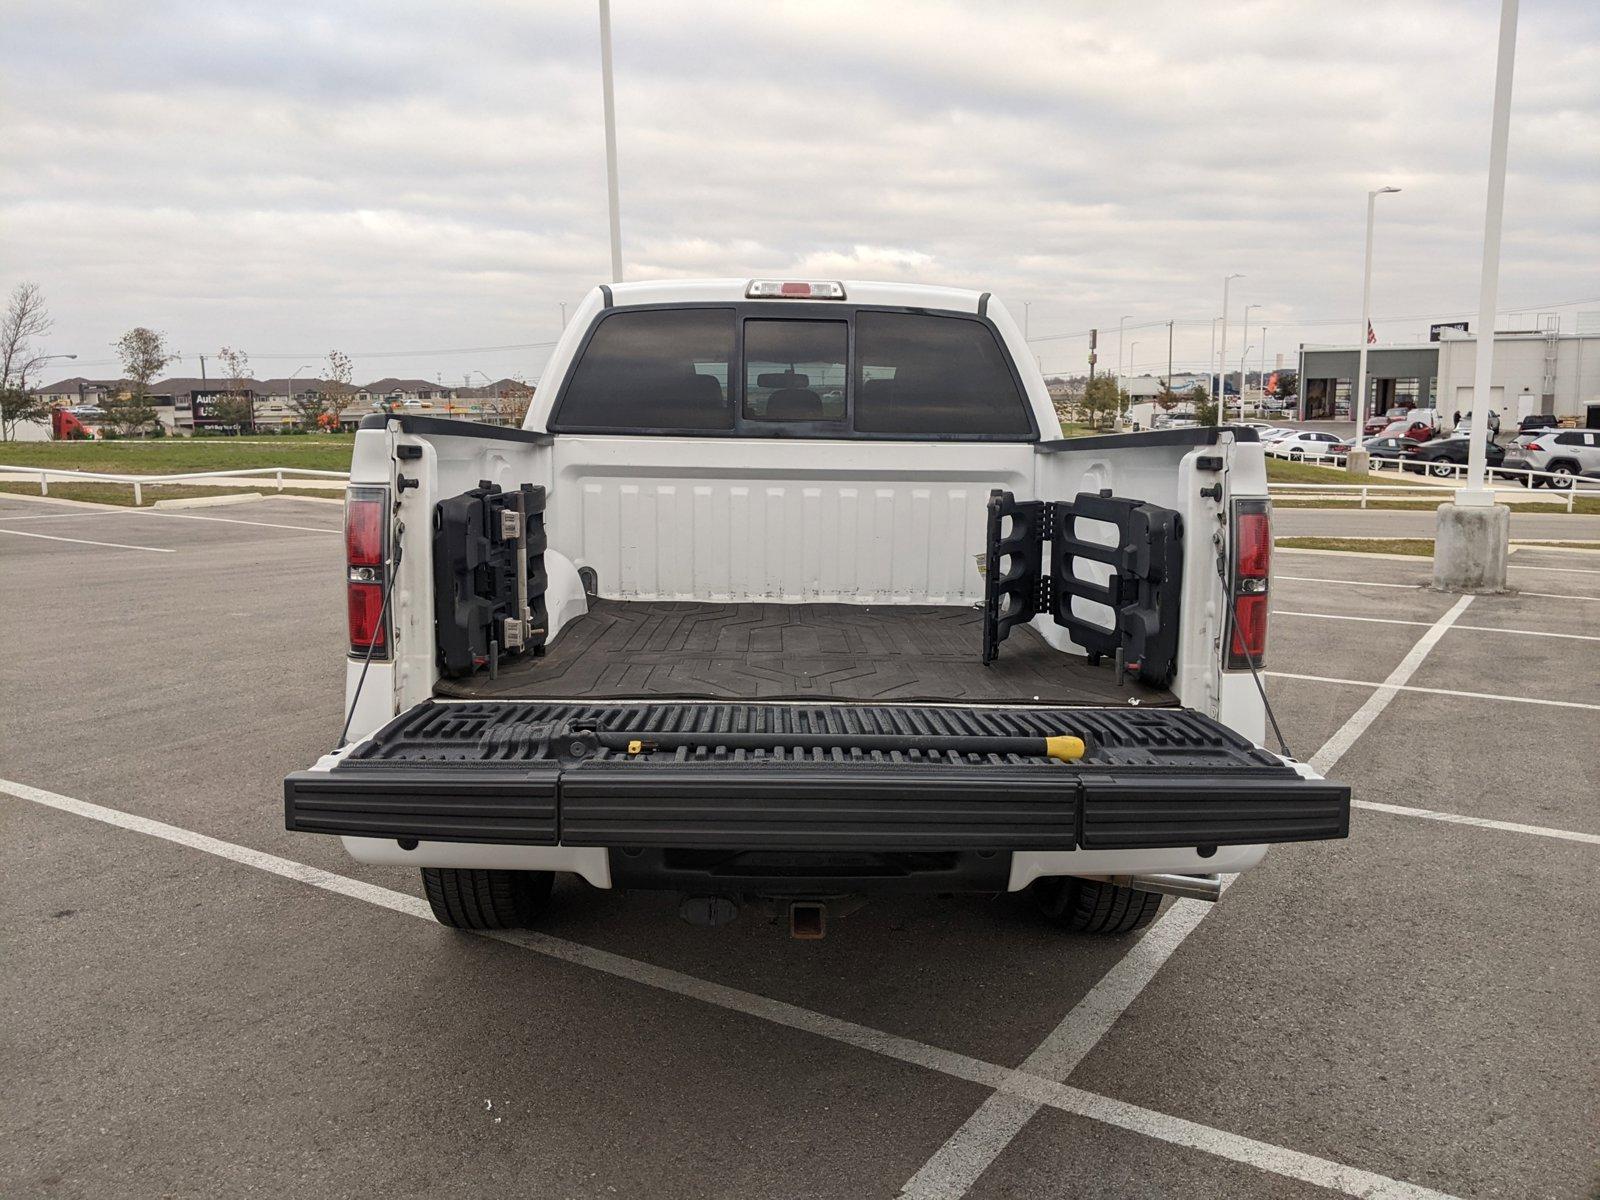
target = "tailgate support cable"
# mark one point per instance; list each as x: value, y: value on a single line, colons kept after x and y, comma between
x: 1250, y: 660
x: 377, y: 631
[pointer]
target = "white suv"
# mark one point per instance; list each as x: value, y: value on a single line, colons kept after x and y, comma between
x: 1563, y: 452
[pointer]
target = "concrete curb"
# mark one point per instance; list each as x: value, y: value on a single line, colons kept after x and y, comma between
x: 208, y: 501
x: 91, y: 505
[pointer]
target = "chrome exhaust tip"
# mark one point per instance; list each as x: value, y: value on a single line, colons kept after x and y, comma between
x: 1190, y: 887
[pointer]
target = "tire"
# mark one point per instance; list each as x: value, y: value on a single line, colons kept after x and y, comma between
x: 1090, y: 906
x: 486, y: 899
x: 1564, y: 469
x: 1442, y: 469
x: 1296, y: 456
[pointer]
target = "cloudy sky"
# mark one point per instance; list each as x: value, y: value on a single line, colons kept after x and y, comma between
x: 423, y: 184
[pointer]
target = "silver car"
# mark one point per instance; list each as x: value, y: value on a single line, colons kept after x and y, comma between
x: 1565, y: 453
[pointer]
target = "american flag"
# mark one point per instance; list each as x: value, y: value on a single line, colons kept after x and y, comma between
x: 1371, y: 337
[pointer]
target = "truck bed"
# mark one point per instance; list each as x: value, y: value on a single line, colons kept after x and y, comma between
x: 824, y: 652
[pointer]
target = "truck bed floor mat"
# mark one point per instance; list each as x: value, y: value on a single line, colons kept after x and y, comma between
x: 750, y: 651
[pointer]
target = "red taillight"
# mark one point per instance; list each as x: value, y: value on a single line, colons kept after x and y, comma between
x: 363, y: 530
x: 366, y: 545
x: 1249, y: 628
x: 1252, y: 547
x: 1252, y: 566
x: 366, y: 618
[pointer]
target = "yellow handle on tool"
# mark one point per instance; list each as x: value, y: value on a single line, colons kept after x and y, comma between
x: 1065, y: 749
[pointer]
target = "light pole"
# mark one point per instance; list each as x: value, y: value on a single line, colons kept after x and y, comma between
x: 1357, y: 453
x: 1222, y: 350
x: 1242, y: 359
x: 1212, y: 356
x: 1027, y: 318
x: 611, y: 141
x: 288, y: 387
x: 1245, y: 328
x: 563, y: 314
x: 1263, y: 371
x: 1133, y: 349
x: 1121, y: 321
x: 1470, y: 542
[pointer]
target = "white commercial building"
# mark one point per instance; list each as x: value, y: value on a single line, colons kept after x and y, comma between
x: 1533, y: 372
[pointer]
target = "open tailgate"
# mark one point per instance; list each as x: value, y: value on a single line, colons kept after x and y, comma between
x: 811, y: 776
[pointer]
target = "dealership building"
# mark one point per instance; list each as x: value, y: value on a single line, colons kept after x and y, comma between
x: 1535, y: 371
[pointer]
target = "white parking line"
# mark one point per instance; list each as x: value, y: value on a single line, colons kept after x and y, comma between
x: 1432, y: 691
x: 1516, y: 566
x: 86, y: 542
x: 1417, y: 587
x: 169, y: 515
x: 1577, y: 637
x: 1344, y: 737
x: 174, y: 516
x: 1277, y: 1160
x: 956, y: 1165
x: 1401, y: 810
x: 1410, y: 587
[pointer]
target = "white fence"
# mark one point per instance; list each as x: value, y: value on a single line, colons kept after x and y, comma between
x: 138, y: 482
x: 1563, y: 488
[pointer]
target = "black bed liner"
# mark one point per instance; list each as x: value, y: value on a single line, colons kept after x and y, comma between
x: 744, y: 651
x: 536, y: 773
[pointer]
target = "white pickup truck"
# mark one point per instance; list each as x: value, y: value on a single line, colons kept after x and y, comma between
x: 793, y: 591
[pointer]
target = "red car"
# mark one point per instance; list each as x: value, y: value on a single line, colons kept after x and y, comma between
x: 1416, y: 431
x: 1379, y: 422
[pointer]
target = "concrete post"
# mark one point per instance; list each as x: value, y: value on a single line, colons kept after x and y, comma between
x: 1470, y: 548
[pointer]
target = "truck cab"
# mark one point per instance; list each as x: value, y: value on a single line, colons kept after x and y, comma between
x: 792, y: 590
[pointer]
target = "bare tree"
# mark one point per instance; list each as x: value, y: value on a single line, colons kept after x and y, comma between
x: 507, y: 403
x: 237, y: 404
x: 25, y: 319
x: 333, y: 392
x: 144, y: 354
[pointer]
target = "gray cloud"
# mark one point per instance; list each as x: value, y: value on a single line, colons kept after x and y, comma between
x: 395, y: 177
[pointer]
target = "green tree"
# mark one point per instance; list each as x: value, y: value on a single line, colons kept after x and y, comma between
x: 144, y: 354
x: 1103, y: 400
x: 1205, y: 408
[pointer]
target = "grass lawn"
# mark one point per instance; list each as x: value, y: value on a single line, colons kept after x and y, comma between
x: 1281, y: 470
x: 122, y: 493
x: 166, y: 456
x: 1421, y: 547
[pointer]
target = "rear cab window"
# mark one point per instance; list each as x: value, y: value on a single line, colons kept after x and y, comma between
x: 824, y: 372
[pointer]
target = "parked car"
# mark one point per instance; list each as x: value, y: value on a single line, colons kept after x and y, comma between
x: 1464, y: 425
x: 866, y: 756
x: 1412, y: 428
x: 1383, y: 450
x: 1304, y: 443
x: 1534, y: 422
x: 1377, y: 423
x: 1441, y: 456
x: 1565, y: 453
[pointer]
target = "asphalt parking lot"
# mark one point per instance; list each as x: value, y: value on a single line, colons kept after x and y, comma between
x: 199, y: 1002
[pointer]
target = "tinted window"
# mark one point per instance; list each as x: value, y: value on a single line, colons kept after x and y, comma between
x: 795, y: 370
x: 667, y: 369
x: 933, y: 375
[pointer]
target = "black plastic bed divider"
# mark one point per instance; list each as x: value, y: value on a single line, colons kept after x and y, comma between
x: 1143, y: 590
x: 475, y: 544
